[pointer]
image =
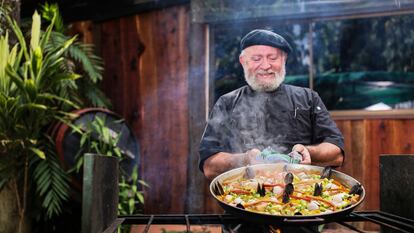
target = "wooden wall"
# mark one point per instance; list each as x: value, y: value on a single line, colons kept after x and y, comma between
x: 365, y: 141
x: 146, y: 77
x: 155, y: 69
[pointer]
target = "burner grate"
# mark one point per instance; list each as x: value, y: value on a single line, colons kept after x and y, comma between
x: 383, y: 219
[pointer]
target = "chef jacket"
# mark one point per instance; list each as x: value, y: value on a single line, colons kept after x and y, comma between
x: 245, y: 119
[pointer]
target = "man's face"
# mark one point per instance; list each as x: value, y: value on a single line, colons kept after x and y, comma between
x: 264, y: 67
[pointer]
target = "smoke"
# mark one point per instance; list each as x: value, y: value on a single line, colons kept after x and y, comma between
x: 249, y: 125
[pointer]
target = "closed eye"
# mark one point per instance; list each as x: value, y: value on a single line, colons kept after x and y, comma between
x: 256, y: 58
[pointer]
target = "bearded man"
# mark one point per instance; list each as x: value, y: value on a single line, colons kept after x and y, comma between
x: 267, y: 114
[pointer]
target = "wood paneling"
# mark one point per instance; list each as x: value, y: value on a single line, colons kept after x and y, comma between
x: 146, y: 77
x: 365, y: 141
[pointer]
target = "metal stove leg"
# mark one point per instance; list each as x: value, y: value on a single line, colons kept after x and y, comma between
x: 148, y: 224
x: 187, y: 222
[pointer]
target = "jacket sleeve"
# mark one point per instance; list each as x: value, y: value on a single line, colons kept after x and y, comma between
x: 324, y: 128
x: 213, y: 140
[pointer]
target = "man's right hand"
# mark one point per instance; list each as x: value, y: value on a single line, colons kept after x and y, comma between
x: 252, y: 157
x: 306, y: 158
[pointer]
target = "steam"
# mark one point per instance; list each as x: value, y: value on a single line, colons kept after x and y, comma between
x: 248, y: 125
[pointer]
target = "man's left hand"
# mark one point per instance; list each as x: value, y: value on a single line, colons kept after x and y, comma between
x: 306, y: 158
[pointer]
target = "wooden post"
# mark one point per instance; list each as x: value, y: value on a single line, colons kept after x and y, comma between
x: 100, y: 192
x: 397, y: 184
x: 197, y: 107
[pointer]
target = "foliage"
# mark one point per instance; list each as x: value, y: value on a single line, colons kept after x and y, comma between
x: 3, y: 12
x: 79, y: 57
x: 98, y: 138
x: 52, y: 180
x: 43, y: 77
x: 130, y: 196
x: 34, y: 91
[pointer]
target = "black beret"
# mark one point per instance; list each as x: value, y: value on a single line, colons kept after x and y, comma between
x: 265, y: 37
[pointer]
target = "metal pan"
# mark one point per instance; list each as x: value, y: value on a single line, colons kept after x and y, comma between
x: 287, y: 220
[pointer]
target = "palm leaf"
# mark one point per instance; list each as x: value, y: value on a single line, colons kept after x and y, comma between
x: 91, y: 64
x: 52, y: 184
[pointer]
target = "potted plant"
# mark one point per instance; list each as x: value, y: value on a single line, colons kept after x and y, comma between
x: 96, y: 137
x: 37, y: 87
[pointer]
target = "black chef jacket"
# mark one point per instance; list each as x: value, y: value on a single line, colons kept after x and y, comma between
x: 245, y: 119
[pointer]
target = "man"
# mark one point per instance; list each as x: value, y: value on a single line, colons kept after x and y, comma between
x: 267, y: 114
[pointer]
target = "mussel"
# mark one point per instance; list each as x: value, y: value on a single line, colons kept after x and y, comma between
x: 286, y: 192
x: 218, y: 189
x: 326, y: 173
x: 356, y: 189
x: 249, y: 173
x: 285, y: 198
x: 239, y: 205
x: 261, y: 190
x: 289, y: 189
x: 288, y: 178
x: 317, y: 190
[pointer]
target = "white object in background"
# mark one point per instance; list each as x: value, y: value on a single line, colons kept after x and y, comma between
x: 378, y: 106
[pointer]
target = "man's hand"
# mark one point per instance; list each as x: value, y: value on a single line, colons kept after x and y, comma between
x: 251, y: 157
x: 306, y: 158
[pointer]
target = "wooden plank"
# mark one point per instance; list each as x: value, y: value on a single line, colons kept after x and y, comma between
x: 163, y: 88
x: 197, y: 113
x: 100, y: 192
x: 109, y: 48
x: 84, y: 31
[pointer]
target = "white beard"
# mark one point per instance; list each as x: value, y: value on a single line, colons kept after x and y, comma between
x: 265, y: 86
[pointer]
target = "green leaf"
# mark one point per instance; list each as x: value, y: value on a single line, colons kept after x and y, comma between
x: 51, y: 185
x: 16, y: 29
x: 37, y: 63
x: 38, y: 152
x: 60, y: 99
x: 32, y: 106
x: 143, y: 183
x: 140, y: 197
x: 36, y: 22
x: 46, y: 35
x: 4, y: 57
x: 131, y: 205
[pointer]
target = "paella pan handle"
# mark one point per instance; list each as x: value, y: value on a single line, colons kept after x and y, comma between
x: 304, y: 220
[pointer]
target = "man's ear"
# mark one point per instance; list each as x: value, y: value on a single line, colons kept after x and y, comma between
x: 285, y: 55
x: 241, y: 59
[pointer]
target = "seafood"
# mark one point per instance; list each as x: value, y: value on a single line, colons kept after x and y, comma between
x: 287, y: 192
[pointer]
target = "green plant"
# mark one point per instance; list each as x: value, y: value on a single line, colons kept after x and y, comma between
x: 79, y: 57
x: 34, y: 92
x: 42, y: 79
x: 98, y: 138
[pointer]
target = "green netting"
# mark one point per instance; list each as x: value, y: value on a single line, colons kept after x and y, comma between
x: 358, y: 90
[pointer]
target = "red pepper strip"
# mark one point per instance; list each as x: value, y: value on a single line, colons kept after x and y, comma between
x: 273, y: 185
x: 337, y: 183
x: 309, y: 198
x: 239, y: 191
